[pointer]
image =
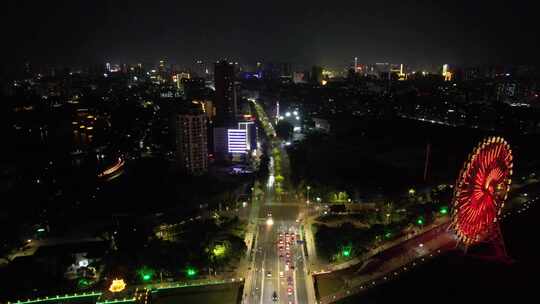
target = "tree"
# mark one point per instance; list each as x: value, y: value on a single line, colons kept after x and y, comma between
x: 339, y: 197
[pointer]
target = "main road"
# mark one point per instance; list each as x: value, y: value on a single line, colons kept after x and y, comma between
x: 277, y: 272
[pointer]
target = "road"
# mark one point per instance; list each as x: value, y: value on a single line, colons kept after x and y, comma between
x: 264, y: 278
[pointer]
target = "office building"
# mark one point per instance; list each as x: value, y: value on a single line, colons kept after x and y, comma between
x: 225, y: 100
x: 237, y: 141
x: 251, y: 134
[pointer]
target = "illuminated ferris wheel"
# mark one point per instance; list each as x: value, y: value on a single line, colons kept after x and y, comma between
x: 481, y: 190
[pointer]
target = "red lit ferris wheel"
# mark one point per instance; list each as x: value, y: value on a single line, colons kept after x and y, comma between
x: 481, y: 190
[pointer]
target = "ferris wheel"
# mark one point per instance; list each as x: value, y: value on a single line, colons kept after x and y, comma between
x: 481, y: 191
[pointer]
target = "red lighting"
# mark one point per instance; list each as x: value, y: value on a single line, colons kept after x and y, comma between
x: 481, y: 190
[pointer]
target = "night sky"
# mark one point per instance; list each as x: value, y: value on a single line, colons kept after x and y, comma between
x: 310, y: 32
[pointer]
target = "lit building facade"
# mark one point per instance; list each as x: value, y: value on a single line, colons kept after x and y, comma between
x: 237, y: 141
x: 191, y: 142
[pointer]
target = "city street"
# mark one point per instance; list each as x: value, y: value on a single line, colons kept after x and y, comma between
x: 266, y: 266
x: 277, y: 269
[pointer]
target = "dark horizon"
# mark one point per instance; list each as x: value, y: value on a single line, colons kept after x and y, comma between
x: 75, y: 33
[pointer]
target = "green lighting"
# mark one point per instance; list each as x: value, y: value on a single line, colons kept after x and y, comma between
x: 60, y: 298
x: 146, y: 273
x: 191, y: 272
x: 388, y: 235
x: 346, y: 252
x: 443, y: 210
x: 420, y: 221
x: 83, y: 283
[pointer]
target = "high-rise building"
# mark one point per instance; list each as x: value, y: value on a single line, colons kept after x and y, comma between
x: 286, y: 70
x: 237, y: 141
x: 191, y: 141
x: 221, y: 142
x: 200, y: 69
x: 251, y: 134
x: 225, y: 101
x: 316, y: 74
x: 178, y: 80
x: 194, y: 88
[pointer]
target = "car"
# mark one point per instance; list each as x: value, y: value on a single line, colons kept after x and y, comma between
x: 288, y: 255
x: 281, y: 274
x: 269, y: 274
x: 289, y: 291
x: 274, y: 296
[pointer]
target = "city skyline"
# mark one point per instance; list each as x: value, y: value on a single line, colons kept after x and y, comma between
x: 310, y: 33
x: 248, y: 152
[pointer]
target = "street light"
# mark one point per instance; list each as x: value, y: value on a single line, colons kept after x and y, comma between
x: 269, y: 221
x: 308, y: 187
